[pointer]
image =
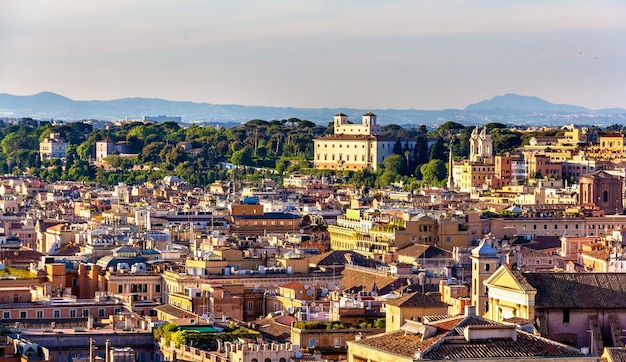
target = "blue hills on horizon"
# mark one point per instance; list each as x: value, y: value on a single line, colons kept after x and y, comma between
x: 508, y: 108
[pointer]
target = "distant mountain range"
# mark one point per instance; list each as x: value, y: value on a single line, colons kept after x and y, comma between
x: 509, y: 108
x: 514, y: 101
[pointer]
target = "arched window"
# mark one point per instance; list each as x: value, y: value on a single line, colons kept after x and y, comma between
x: 268, y: 360
x: 605, y: 196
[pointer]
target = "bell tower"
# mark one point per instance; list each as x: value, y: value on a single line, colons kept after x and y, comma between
x: 484, y: 263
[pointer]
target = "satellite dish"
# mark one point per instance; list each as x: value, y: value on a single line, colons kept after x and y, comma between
x: 306, y: 286
x: 204, y: 316
x: 211, y: 315
x: 313, y: 304
x: 309, y: 293
x: 298, y: 354
x: 301, y: 231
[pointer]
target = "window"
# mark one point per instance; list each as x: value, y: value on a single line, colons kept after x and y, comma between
x: 487, y: 267
x: 157, y: 288
x: 250, y: 306
x: 39, y: 314
x: 120, y: 288
x: 566, y: 315
x: 85, y: 313
x: 6, y: 315
x: 22, y: 314
x: 57, y: 313
x: 101, y: 312
x: 72, y: 313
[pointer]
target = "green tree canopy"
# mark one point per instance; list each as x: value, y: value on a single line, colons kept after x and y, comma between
x: 438, y: 150
x: 434, y: 172
x: 242, y: 157
x: 394, y: 163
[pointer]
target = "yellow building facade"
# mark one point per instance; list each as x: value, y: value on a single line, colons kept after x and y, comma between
x: 508, y: 298
x: 375, y: 235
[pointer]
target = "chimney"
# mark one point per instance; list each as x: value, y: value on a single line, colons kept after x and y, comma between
x: 470, y: 310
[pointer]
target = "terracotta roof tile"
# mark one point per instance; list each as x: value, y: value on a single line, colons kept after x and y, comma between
x: 448, y: 342
x: 417, y: 300
x: 360, y: 280
x: 577, y: 290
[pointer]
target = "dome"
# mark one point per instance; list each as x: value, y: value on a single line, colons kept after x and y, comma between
x: 484, y: 250
x: 171, y: 179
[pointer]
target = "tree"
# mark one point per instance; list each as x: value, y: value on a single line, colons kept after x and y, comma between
x: 10, y: 143
x: 151, y: 151
x: 397, y: 147
x: 495, y: 125
x: 304, y: 124
x: 280, y: 166
x: 505, y: 141
x: 438, y: 150
x: 85, y: 150
x: 394, y: 163
x: 134, y: 143
x: 391, y: 130
x: 449, y: 128
x: 434, y: 172
x: 71, y: 156
x: 165, y: 331
x: 242, y: 157
x: 81, y: 171
x: 380, y: 323
x: 422, y: 145
x: 387, y: 178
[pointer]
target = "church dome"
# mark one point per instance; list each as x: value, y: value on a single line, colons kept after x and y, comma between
x: 484, y: 250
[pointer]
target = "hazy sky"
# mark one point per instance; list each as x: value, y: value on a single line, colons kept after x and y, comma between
x: 430, y: 54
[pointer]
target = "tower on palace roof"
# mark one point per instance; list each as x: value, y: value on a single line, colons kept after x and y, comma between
x: 368, y: 125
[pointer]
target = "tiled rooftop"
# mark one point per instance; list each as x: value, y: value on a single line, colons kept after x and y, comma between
x: 577, y: 290
x: 417, y: 299
x: 446, y: 344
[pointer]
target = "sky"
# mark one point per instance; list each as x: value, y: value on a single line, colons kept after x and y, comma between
x: 394, y: 54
